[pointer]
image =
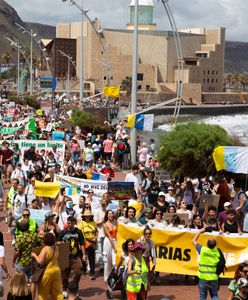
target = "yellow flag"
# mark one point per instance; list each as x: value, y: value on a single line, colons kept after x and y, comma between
x: 47, y: 189
x: 111, y: 91
x: 131, y: 121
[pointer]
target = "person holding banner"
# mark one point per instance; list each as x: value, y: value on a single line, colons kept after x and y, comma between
x: 209, y: 258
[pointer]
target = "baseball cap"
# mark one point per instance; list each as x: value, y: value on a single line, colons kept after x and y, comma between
x: 161, y: 194
x: 227, y: 204
x: 49, y: 214
x: 138, y: 245
x: 242, y: 282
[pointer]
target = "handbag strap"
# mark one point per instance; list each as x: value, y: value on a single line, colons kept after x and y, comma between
x: 44, y: 266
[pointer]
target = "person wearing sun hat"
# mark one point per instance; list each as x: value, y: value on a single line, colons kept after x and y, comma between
x: 90, y: 232
x: 137, y: 274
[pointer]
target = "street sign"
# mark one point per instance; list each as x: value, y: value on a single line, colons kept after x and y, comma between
x: 48, y: 83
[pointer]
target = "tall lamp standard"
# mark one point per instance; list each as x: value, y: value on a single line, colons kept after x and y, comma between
x: 69, y: 61
x: 72, y: 2
x: 18, y: 46
x: 32, y: 35
x: 134, y: 81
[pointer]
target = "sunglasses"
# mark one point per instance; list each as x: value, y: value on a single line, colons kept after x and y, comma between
x: 158, y: 213
x: 245, y: 271
x: 26, y: 215
x: 90, y: 192
x: 148, y: 233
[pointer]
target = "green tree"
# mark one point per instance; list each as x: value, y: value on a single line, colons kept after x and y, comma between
x: 89, y: 122
x: 187, y: 149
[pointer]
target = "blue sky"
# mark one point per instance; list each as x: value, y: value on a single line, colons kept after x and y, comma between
x: 231, y: 14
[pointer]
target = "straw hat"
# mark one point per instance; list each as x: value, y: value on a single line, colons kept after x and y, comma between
x: 87, y: 213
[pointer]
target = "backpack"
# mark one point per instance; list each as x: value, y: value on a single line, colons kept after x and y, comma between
x: 26, y: 199
x: 121, y: 146
x: 221, y: 265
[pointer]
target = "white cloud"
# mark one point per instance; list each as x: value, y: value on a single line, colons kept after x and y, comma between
x: 115, y: 13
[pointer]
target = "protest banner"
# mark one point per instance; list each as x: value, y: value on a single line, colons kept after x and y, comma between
x: 77, y: 185
x: 209, y: 200
x: 184, y: 218
x: 121, y: 190
x: 46, y: 189
x: 176, y: 254
x: 11, y: 111
x: 41, y: 145
x: 38, y: 215
x: 63, y: 249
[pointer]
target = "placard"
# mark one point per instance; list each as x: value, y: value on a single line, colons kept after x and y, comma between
x: 38, y: 215
x: 121, y: 190
x: 161, y: 175
x: 209, y: 200
x: 184, y: 218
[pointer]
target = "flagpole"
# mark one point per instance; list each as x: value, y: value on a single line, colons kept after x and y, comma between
x: 134, y: 82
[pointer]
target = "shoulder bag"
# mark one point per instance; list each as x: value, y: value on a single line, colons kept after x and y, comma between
x: 39, y: 270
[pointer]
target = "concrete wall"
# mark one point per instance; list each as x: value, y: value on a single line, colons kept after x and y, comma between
x: 224, y: 98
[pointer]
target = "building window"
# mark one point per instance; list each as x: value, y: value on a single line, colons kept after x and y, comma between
x: 208, y: 72
x: 140, y: 76
x: 212, y: 80
x: 213, y: 72
x: 216, y: 80
x: 208, y: 80
x: 147, y: 87
x: 204, y: 80
x: 105, y: 77
x: 139, y: 87
x: 111, y: 78
x: 204, y: 72
x: 217, y: 72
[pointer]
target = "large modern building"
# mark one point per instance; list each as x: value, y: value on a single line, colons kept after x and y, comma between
x: 203, y: 54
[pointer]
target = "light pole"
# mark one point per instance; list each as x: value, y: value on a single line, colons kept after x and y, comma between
x: 69, y: 61
x: 72, y: 2
x: 32, y: 35
x: 18, y: 46
x: 134, y: 82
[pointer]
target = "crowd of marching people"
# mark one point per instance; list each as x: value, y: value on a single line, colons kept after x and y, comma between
x: 89, y: 225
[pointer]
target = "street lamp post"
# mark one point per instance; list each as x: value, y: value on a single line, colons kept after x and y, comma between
x: 69, y: 61
x: 32, y: 35
x: 18, y: 46
x: 134, y: 82
x: 72, y: 2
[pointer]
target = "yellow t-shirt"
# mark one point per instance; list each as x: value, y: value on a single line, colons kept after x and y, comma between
x: 88, y: 229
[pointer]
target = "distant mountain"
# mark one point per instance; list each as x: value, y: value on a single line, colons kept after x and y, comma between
x: 43, y: 31
x: 236, y: 57
x: 8, y: 28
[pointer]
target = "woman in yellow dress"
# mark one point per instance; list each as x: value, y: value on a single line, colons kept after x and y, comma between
x: 50, y: 286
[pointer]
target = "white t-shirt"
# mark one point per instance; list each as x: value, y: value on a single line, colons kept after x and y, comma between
x: 99, y: 216
x: 19, y: 204
x: 132, y: 178
x: 1, y: 269
x: 29, y: 191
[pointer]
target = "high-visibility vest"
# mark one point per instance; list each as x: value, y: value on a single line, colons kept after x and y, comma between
x: 135, y: 281
x: 208, y: 263
x: 10, y: 196
x: 32, y: 226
